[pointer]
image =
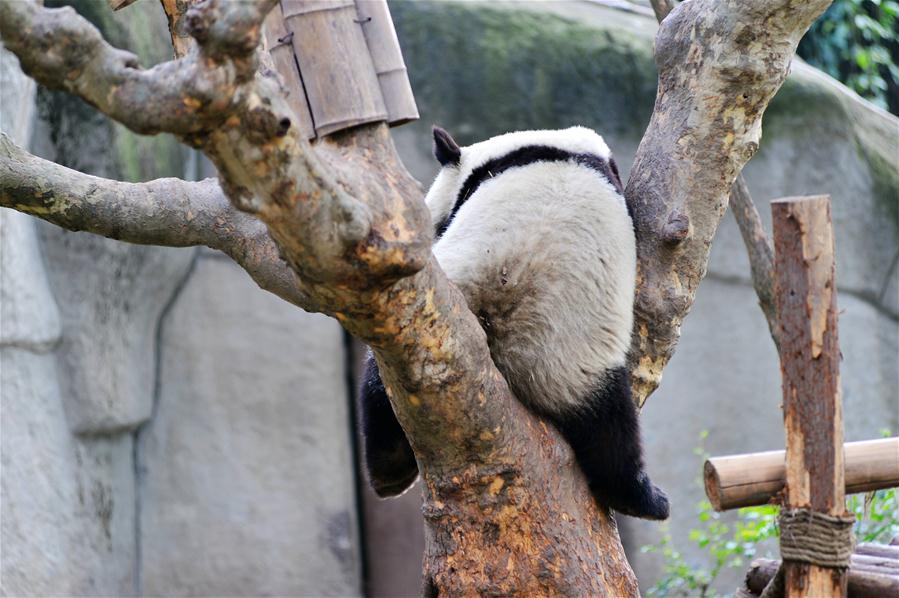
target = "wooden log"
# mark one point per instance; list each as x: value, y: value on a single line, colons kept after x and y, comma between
x: 380, y: 35
x: 881, y: 550
x: 278, y: 43
x: 754, y: 479
x: 335, y: 65
x: 806, y: 301
x: 863, y: 583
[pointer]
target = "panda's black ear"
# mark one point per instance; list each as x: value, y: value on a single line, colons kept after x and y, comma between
x: 616, y: 178
x: 446, y: 150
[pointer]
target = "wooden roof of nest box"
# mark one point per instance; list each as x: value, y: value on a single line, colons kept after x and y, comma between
x: 341, y: 64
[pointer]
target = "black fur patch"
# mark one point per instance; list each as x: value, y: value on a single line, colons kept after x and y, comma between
x: 388, y: 457
x: 523, y: 156
x: 605, y: 437
x: 446, y: 150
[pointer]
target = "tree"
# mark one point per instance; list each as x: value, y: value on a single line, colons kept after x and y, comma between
x: 339, y: 227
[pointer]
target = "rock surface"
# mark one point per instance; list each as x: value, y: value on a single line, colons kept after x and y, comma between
x: 67, y: 503
x: 246, y: 475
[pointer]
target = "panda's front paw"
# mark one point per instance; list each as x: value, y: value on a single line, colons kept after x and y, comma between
x: 389, y: 488
x: 391, y: 465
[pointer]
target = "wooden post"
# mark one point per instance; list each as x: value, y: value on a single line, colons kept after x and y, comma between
x: 806, y: 300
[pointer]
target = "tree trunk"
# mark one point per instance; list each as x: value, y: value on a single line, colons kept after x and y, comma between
x: 339, y: 227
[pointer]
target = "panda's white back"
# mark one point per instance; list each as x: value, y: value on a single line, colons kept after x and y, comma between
x: 545, y: 256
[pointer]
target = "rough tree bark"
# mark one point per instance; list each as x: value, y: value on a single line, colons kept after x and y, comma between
x: 758, y: 245
x: 719, y: 65
x: 339, y: 227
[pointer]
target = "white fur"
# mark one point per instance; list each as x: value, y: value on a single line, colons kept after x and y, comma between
x: 442, y: 195
x: 545, y: 256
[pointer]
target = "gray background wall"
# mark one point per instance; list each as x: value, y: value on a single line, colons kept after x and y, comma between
x: 170, y: 429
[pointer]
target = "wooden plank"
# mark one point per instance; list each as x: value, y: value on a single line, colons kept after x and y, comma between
x: 335, y: 65
x: 806, y: 301
x: 736, y: 481
x: 278, y: 43
x: 303, y: 7
x: 384, y: 46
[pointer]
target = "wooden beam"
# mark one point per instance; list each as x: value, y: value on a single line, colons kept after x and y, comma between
x: 806, y: 301
x: 755, y: 479
x: 866, y: 579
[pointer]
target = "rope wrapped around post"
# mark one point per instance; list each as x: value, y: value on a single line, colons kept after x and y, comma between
x: 807, y: 536
x: 817, y: 538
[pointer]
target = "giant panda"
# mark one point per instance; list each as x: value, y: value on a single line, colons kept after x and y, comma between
x: 533, y: 228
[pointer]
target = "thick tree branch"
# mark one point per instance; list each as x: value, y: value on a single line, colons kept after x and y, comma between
x: 62, y: 50
x: 758, y: 245
x: 720, y: 63
x: 760, y: 250
x: 167, y: 212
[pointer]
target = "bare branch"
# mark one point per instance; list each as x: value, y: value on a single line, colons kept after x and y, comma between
x: 720, y: 63
x: 760, y: 250
x: 176, y: 13
x: 661, y: 8
x: 166, y: 212
x: 64, y: 51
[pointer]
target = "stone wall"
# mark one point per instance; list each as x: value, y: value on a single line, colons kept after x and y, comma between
x: 167, y: 427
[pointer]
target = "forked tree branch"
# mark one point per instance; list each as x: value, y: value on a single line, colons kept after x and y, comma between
x: 350, y: 221
x: 63, y: 51
x: 719, y: 64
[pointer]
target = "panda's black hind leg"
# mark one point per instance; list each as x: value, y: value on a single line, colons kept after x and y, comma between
x: 388, y: 457
x: 605, y: 437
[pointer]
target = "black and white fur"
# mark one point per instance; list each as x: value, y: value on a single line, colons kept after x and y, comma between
x: 533, y: 228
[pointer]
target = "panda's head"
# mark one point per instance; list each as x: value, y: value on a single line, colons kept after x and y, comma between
x: 463, y: 169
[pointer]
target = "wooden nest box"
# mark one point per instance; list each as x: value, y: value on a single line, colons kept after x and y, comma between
x: 341, y: 64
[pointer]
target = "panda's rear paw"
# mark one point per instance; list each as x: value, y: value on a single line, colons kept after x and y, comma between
x: 648, y: 501
x: 391, y: 465
x: 656, y: 506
